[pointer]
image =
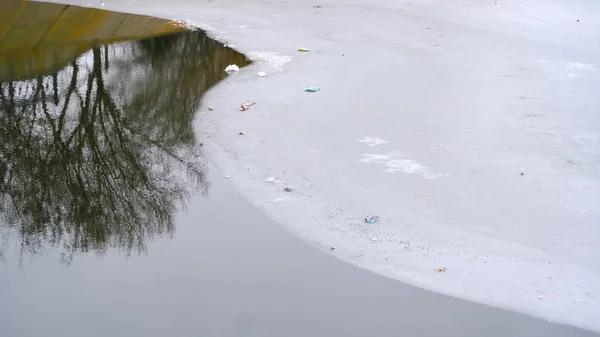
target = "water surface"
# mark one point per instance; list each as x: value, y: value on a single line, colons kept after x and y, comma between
x: 97, y: 148
x: 99, y: 154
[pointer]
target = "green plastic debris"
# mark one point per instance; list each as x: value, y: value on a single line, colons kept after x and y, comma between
x: 311, y: 89
x: 304, y: 49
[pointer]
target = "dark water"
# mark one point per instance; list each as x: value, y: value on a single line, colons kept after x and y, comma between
x: 97, y: 148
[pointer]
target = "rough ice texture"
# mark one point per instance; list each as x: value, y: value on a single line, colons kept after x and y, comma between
x: 471, y: 128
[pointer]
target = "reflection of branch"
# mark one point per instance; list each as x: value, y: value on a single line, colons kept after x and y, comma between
x: 166, y: 150
x: 67, y: 99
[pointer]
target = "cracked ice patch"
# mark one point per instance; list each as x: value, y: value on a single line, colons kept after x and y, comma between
x: 370, y: 141
x: 393, y: 162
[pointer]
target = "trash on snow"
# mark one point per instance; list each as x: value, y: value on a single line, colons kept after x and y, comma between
x: 262, y: 74
x: 210, y: 108
x: 311, y: 89
x: 241, y: 133
x: 374, y: 239
x: 247, y: 105
x: 287, y: 189
x: 231, y: 68
x: 441, y: 270
x: 372, y: 219
x: 304, y: 49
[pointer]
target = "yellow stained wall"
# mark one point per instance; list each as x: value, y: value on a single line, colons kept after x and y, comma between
x: 39, y: 37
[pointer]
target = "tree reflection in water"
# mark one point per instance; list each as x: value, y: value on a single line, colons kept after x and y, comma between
x: 102, y: 153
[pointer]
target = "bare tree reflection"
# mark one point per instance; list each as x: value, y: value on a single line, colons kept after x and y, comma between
x: 102, y: 153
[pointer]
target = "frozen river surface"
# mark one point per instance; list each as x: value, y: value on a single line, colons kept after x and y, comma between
x: 472, y: 128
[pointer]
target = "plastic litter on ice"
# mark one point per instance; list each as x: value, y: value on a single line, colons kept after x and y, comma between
x: 231, y: 68
x: 247, y: 105
x: 372, y: 219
